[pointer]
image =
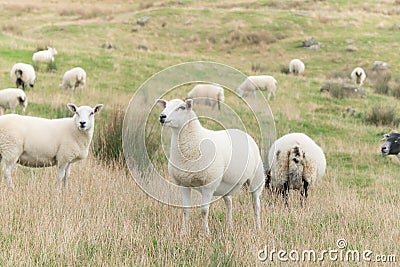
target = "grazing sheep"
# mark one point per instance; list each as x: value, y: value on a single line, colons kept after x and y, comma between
x: 39, y: 142
x: 296, y: 162
x: 296, y: 67
x: 73, y: 78
x: 262, y: 82
x: 391, y: 145
x: 23, y: 74
x: 358, y: 76
x: 216, y: 163
x: 45, y: 55
x: 10, y: 98
x: 208, y: 94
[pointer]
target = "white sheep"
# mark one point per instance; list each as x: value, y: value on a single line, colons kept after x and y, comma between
x: 73, y: 78
x: 23, y: 74
x: 216, y: 163
x: 208, y: 94
x: 296, y: 162
x: 262, y: 82
x: 296, y: 67
x: 45, y: 55
x: 358, y: 76
x: 10, y: 98
x: 38, y: 142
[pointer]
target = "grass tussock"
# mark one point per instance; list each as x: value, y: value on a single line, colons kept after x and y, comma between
x: 382, y: 115
x: 84, y: 13
x: 381, y: 84
x: 342, y: 90
x: 107, y: 141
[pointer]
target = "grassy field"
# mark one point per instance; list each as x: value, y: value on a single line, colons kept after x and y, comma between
x: 105, y: 219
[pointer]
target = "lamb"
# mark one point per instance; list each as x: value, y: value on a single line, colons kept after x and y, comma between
x: 358, y: 76
x: 296, y: 67
x: 391, y: 145
x: 209, y: 94
x: 45, y: 55
x: 262, y: 82
x: 216, y: 163
x: 38, y: 142
x: 296, y: 162
x: 73, y: 78
x: 23, y: 74
x: 10, y: 98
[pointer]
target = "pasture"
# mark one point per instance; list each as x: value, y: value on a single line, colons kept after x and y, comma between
x: 105, y: 219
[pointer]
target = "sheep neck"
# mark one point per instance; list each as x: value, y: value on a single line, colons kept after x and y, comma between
x: 185, y: 141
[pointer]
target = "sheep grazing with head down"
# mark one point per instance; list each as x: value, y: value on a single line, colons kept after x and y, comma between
x: 391, y: 145
x: 358, y: 76
x: 23, y: 74
x: 38, y: 142
x: 46, y: 56
x: 296, y: 162
x: 261, y: 82
x: 73, y: 78
x: 216, y: 163
x: 11, y: 98
x: 208, y: 94
x: 296, y: 67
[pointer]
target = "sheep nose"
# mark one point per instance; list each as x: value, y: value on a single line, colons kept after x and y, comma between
x: 162, y: 118
x: 82, y: 123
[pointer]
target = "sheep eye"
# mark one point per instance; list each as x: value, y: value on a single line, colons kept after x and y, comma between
x: 182, y: 107
x: 91, y: 113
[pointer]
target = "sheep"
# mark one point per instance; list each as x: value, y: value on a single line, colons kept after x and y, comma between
x: 38, y: 142
x: 358, y: 76
x: 262, y: 82
x: 213, y: 162
x: 45, y: 55
x: 73, y: 78
x: 296, y: 67
x: 10, y: 98
x: 23, y: 74
x: 296, y: 162
x: 391, y: 145
x: 209, y: 94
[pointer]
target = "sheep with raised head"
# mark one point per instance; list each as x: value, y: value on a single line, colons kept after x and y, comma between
x: 262, y: 82
x: 38, y: 142
x: 391, y: 146
x: 73, y: 78
x: 358, y: 76
x: 46, y: 56
x: 296, y: 67
x: 23, y: 74
x: 208, y: 94
x: 216, y: 163
x: 296, y: 162
x: 11, y: 98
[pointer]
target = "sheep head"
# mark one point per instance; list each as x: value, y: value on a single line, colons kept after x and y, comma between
x: 84, y: 116
x: 176, y: 112
x: 392, y: 144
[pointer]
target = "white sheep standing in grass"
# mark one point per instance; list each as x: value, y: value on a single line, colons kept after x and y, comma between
x: 296, y: 162
x: 11, y: 98
x: 39, y: 142
x: 73, y: 78
x: 358, y: 76
x: 216, y: 163
x: 296, y: 67
x: 208, y: 94
x: 46, y: 56
x: 262, y: 82
x: 23, y: 74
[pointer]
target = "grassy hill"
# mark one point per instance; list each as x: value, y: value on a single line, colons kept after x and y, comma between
x: 105, y: 219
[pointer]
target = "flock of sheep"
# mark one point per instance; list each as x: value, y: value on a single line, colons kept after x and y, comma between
x: 38, y: 142
x: 231, y: 158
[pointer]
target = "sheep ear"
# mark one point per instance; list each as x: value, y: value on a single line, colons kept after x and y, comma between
x: 72, y: 107
x: 161, y: 103
x: 189, y: 104
x: 98, y: 107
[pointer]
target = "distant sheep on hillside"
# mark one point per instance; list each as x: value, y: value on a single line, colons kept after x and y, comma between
x: 45, y: 55
x: 358, y: 76
x: 23, y: 74
x: 73, y: 78
x: 208, y: 94
x: 296, y: 67
x: 261, y: 82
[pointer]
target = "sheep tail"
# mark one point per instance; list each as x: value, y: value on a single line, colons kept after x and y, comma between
x: 21, y: 99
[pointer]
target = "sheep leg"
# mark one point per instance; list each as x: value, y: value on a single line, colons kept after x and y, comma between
x: 67, y: 174
x: 186, y: 192
x: 9, y: 166
x: 257, y: 207
x: 62, y: 174
x: 206, y: 196
x: 228, y: 205
x: 304, y: 192
x: 284, y: 192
